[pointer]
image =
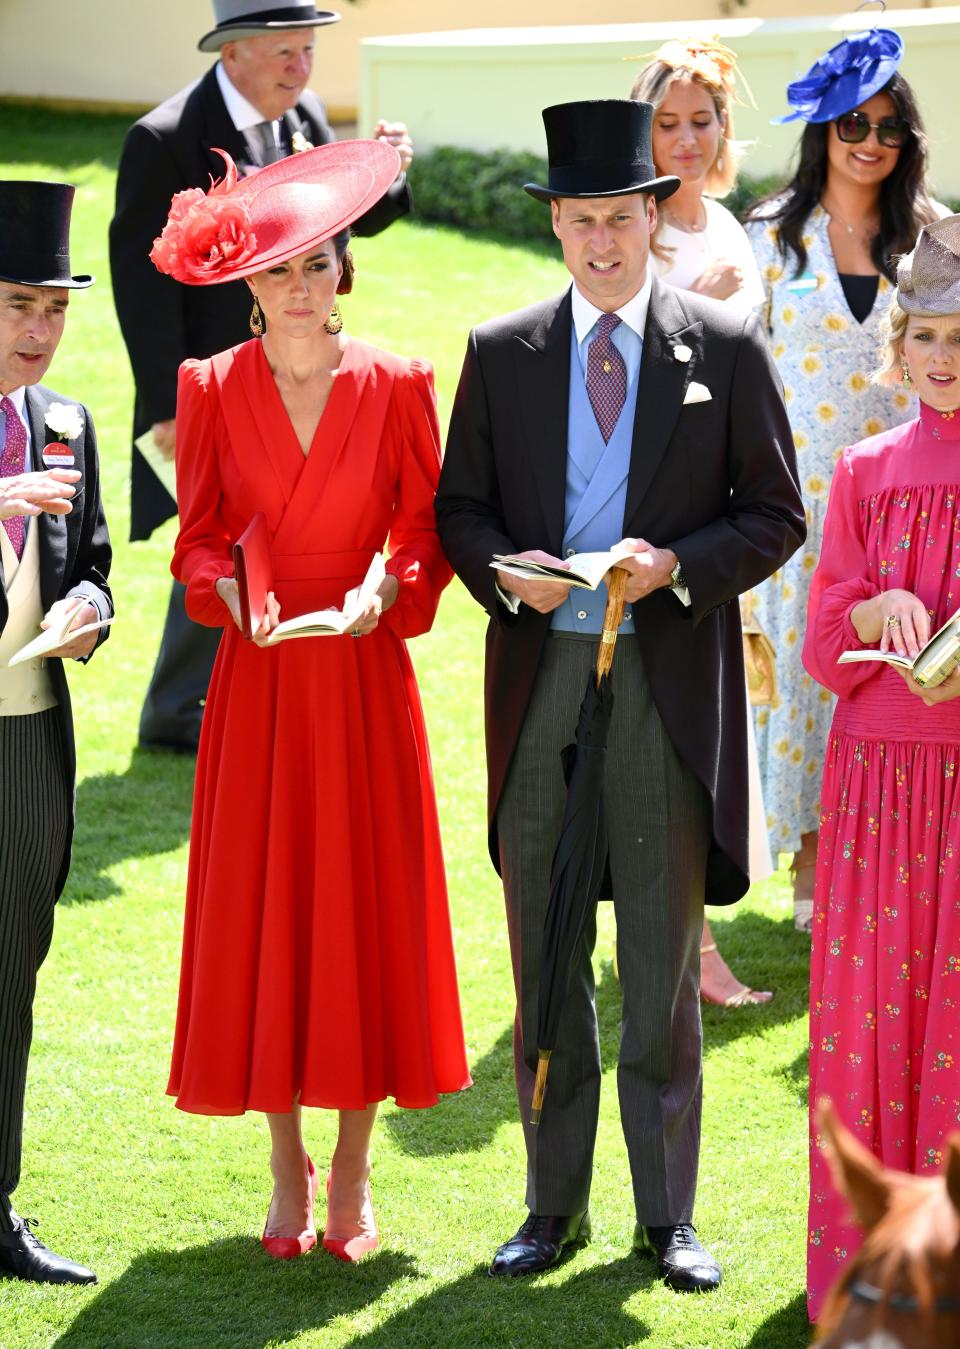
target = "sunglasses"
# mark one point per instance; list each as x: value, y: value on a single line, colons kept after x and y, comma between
x: 854, y: 127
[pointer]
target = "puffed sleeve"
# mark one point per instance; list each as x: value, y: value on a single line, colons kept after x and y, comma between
x: 202, y: 553
x: 840, y: 582
x: 416, y: 557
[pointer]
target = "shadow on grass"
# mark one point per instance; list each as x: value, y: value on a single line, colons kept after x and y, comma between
x: 585, y: 1309
x: 228, y: 1293
x: 764, y: 953
x: 787, y: 1328
x: 144, y: 811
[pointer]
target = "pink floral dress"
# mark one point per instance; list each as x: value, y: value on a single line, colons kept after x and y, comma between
x: 885, y: 967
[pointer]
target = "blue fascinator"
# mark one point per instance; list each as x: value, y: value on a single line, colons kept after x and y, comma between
x: 847, y: 75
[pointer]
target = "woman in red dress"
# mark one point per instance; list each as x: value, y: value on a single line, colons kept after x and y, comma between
x: 318, y: 964
x: 885, y: 967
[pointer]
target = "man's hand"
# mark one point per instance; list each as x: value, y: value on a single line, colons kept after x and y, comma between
x: 165, y: 438
x: 396, y: 134
x: 649, y: 568
x: 544, y: 596
x: 31, y: 493
x: 74, y: 648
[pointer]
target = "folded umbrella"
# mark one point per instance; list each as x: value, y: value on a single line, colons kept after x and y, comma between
x: 579, y: 861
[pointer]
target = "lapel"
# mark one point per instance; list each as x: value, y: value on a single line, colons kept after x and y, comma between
x: 293, y: 123
x: 52, y: 528
x: 543, y: 384
x: 660, y: 394
x: 220, y: 133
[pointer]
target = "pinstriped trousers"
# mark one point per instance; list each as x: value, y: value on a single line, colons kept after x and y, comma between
x: 658, y: 821
x: 34, y: 816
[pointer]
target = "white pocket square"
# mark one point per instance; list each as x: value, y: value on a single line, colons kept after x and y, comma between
x: 697, y: 393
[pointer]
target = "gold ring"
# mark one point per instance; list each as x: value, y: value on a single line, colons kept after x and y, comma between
x: 892, y: 621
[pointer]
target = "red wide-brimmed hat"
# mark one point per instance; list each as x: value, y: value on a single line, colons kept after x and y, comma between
x: 244, y: 226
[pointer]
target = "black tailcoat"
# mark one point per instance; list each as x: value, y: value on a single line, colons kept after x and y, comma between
x: 163, y: 322
x: 716, y: 481
x: 75, y: 559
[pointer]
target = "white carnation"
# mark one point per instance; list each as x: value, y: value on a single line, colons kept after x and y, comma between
x: 64, y: 420
x: 681, y: 353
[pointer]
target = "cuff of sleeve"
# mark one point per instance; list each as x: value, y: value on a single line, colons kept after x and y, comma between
x: 683, y: 595
x: 512, y: 602
x: 849, y: 631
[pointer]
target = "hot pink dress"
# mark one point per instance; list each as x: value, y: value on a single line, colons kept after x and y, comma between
x: 885, y: 967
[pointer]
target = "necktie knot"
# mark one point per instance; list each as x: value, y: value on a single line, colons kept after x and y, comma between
x: 606, y: 324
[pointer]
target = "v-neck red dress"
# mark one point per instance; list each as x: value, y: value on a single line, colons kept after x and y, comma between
x: 317, y: 952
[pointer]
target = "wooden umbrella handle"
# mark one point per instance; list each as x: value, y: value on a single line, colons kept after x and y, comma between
x: 612, y: 618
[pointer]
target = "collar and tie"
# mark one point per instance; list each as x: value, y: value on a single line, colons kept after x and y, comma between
x: 13, y: 460
x: 263, y: 143
x: 606, y: 376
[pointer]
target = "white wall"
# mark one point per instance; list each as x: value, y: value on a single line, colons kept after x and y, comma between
x: 485, y: 89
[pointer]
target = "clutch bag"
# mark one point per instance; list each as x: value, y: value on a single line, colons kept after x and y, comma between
x: 759, y: 657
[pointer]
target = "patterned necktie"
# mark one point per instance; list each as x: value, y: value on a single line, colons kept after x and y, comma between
x: 13, y: 460
x: 263, y: 143
x: 606, y: 376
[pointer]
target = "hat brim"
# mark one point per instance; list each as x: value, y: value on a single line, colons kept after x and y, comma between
x: 61, y: 283
x: 659, y: 188
x: 233, y: 32
x: 342, y: 180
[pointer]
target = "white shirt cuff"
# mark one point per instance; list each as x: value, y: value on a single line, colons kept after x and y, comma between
x: 683, y: 594
x: 511, y: 601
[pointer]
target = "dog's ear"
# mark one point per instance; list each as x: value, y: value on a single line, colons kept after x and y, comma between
x: 857, y: 1174
x: 952, y: 1170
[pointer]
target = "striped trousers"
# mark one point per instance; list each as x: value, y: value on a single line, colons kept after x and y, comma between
x: 658, y: 821
x: 34, y: 819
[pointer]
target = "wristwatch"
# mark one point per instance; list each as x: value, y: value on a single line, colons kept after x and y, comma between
x: 676, y: 579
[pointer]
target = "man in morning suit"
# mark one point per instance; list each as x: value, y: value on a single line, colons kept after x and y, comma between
x: 623, y: 409
x: 55, y: 554
x: 254, y: 104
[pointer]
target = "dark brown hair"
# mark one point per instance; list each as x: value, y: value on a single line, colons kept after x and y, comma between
x: 341, y: 243
x: 905, y: 203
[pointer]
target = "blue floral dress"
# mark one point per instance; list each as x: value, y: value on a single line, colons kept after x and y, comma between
x: 825, y: 358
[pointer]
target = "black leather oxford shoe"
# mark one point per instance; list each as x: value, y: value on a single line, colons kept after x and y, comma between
x: 24, y: 1256
x: 682, y: 1262
x: 540, y: 1243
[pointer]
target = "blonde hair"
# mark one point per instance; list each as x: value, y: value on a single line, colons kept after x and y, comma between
x: 893, y: 329
x: 714, y: 67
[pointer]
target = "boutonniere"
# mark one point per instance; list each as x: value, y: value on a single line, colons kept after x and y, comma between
x: 299, y: 143
x: 681, y: 352
x: 65, y: 420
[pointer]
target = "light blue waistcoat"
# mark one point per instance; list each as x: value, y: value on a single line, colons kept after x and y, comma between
x: 596, y: 495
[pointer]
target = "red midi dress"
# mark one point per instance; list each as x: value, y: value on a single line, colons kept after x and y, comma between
x: 317, y: 952
x: 885, y: 965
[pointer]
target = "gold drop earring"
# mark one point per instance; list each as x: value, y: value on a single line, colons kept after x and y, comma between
x: 256, y: 319
x: 905, y: 374
x: 334, y: 321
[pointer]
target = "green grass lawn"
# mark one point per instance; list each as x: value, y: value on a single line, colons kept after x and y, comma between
x: 168, y: 1207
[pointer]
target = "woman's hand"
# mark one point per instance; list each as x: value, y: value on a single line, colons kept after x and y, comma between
x: 720, y: 280
x: 385, y: 597
x: 896, y: 619
x: 950, y: 688
x: 226, y: 588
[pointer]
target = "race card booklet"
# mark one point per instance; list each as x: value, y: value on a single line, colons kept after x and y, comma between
x: 585, y: 571
x: 253, y: 572
x: 932, y: 663
x: 58, y: 633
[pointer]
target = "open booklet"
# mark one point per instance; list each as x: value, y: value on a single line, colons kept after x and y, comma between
x: 56, y: 635
x: 932, y: 663
x: 585, y: 571
x: 251, y: 558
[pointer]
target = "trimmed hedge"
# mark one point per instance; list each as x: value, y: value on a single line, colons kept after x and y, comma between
x: 484, y: 191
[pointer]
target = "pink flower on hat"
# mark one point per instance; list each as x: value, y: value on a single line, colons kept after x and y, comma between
x: 206, y: 232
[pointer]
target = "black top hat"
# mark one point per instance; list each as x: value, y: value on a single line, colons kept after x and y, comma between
x: 600, y: 148
x: 35, y: 235
x: 250, y: 18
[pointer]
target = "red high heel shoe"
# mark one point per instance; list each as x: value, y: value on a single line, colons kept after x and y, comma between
x: 366, y: 1239
x: 288, y: 1248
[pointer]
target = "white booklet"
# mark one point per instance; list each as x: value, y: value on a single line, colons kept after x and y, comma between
x: 58, y: 633
x: 932, y: 663
x: 333, y: 622
x: 585, y: 571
